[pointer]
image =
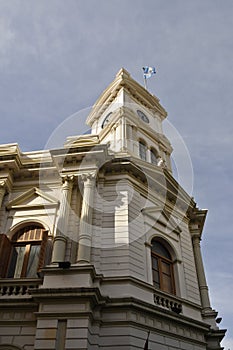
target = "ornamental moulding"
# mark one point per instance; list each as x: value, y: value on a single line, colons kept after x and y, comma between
x: 25, y: 200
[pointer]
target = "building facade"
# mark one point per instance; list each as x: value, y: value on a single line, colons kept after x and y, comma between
x: 99, y: 244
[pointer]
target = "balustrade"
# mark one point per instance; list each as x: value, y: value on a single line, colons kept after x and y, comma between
x: 168, y: 303
x: 18, y: 288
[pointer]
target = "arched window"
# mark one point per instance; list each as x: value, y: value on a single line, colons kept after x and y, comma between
x: 154, y: 156
x: 30, y: 251
x: 142, y: 150
x: 162, y: 267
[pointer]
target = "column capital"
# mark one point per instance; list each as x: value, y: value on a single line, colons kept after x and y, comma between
x: 3, y: 188
x: 68, y: 178
x: 67, y: 182
x: 197, y: 219
x: 6, y: 182
x: 196, y: 237
x: 88, y: 177
x: 2, y: 185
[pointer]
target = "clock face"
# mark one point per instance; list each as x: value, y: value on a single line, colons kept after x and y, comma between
x: 106, y: 120
x: 142, y: 116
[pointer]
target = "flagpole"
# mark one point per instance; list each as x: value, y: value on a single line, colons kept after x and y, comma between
x: 147, y: 73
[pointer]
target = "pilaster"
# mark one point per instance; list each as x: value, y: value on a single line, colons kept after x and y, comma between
x: 85, y: 231
x: 60, y: 239
x: 2, y: 191
x: 196, y: 226
x: 200, y: 273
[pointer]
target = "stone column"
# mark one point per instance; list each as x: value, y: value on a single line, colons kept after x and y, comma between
x: 59, y: 247
x: 201, y: 274
x: 85, y: 230
x: 2, y: 192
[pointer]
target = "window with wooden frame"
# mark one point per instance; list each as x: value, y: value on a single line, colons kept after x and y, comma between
x: 162, y: 268
x: 142, y: 150
x: 26, y: 254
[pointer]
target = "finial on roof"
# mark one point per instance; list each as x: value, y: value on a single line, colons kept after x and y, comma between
x: 123, y: 73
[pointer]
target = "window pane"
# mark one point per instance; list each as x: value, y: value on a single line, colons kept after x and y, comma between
x: 162, y: 268
x: 142, y: 150
x: 11, y: 268
x: 25, y: 236
x: 158, y: 248
x: 166, y: 268
x: 156, y: 276
x: 167, y: 284
x: 154, y: 158
x: 38, y: 233
x: 33, y: 261
x: 19, y: 262
x: 154, y: 263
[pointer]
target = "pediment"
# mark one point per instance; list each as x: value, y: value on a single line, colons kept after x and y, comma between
x: 33, y: 199
x: 161, y: 216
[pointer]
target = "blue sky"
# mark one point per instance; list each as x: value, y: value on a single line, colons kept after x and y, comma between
x: 56, y: 57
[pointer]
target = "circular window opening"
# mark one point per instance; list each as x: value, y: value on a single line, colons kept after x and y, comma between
x: 142, y: 116
x: 106, y: 120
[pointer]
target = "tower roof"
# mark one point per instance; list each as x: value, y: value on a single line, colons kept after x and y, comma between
x: 133, y: 88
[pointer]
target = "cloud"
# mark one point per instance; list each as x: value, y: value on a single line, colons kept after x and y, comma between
x: 227, y: 343
x: 7, y: 37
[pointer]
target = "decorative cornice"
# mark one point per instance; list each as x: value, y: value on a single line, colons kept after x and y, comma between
x: 197, y: 219
x: 81, y: 141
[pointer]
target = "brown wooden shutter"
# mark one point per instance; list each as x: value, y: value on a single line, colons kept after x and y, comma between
x: 42, y: 251
x: 5, y: 252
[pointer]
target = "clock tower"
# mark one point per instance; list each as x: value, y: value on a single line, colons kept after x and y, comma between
x: 129, y: 119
